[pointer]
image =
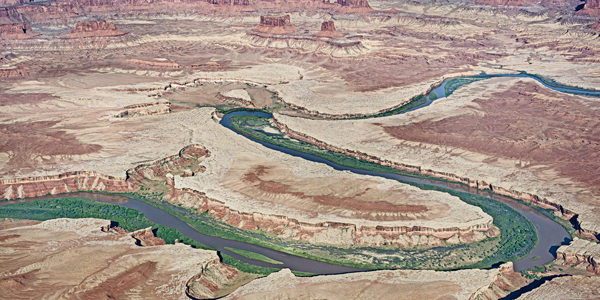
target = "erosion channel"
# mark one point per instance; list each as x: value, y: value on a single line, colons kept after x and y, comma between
x: 550, y: 234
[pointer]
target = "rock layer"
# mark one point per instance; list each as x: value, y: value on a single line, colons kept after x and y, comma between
x: 275, y: 25
x: 83, y: 262
x: 397, y: 285
x: 16, y: 31
x: 580, y: 251
x: 19, y: 188
x: 94, y: 29
x: 328, y: 30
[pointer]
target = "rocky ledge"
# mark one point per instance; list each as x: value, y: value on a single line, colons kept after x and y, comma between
x: 478, y: 184
x: 94, y: 29
x: 328, y: 30
x: 580, y: 252
x: 19, y: 188
x: 16, y: 31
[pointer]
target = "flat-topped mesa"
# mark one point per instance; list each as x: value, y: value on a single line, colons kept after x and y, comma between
x: 16, y: 31
x: 94, y: 29
x: 230, y: 2
x: 275, y: 25
x: 328, y: 30
x: 354, y: 3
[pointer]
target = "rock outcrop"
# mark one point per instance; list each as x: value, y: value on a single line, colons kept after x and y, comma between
x: 73, y: 258
x: 354, y: 3
x: 239, y: 97
x: 384, y: 285
x: 145, y: 237
x: 16, y: 31
x: 591, y: 8
x: 145, y: 109
x: 328, y: 30
x: 351, y: 234
x: 579, y: 252
x: 215, y: 282
x: 275, y: 25
x: 505, y: 282
x: 566, y: 287
x: 94, y: 29
x: 19, y: 188
x: 278, y: 32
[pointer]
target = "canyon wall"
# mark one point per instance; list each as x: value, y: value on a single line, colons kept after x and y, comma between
x: 19, y: 188
x: 482, y: 185
x: 331, y: 233
x: 328, y: 30
x: 16, y: 31
x: 94, y: 29
x: 275, y: 25
x: 578, y: 252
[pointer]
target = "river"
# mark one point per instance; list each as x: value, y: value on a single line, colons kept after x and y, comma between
x: 550, y: 234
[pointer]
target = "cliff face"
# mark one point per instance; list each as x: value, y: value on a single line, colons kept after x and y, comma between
x: 92, y: 181
x: 332, y: 233
x: 275, y: 25
x: 145, y: 237
x: 94, y: 29
x: 482, y: 185
x: 580, y: 252
x: 16, y: 31
x: 354, y: 3
x: 328, y: 30
x: 323, y: 232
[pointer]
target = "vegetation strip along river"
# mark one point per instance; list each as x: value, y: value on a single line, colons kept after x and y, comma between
x: 550, y: 234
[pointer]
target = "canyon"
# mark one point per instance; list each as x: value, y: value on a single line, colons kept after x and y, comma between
x: 125, y: 96
x: 472, y: 158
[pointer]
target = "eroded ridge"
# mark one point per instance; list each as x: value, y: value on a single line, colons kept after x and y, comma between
x: 325, y: 210
x: 528, y: 134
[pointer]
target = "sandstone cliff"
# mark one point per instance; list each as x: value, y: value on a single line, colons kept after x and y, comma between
x: 94, y: 29
x: 581, y: 252
x: 566, y: 287
x: 275, y: 25
x: 482, y: 185
x: 16, y: 31
x: 328, y: 30
x: 145, y: 237
x: 19, y: 188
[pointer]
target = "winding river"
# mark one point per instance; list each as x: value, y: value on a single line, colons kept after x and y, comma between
x: 550, y: 234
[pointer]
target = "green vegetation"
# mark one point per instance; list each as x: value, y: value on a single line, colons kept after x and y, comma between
x: 518, y: 236
x: 416, y: 101
x: 433, y: 96
x: 453, y: 84
x: 556, y: 84
x: 76, y: 208
x: 255, y: 256
x: 535, y: 258
x: 246, y: 267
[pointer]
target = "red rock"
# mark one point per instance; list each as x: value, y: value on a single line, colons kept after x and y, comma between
x: 354, y: 3
x: 94, y: 29
x: 328, y: 30
x: 16, y: 31
x: 146, y: 237
x: 275, y: 25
